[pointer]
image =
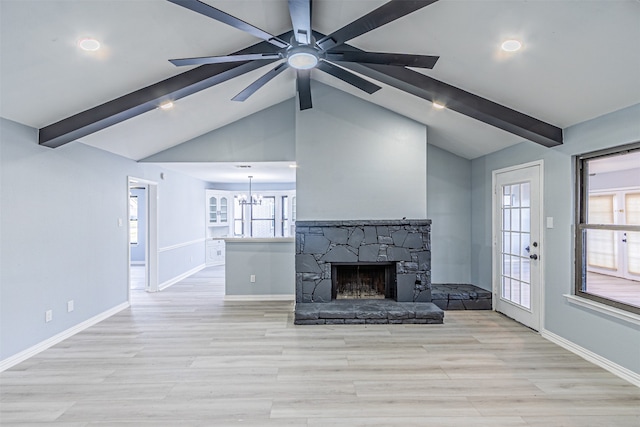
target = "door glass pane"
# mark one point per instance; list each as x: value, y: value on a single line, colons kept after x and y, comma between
x: 506, y: 219
x: 515, y: 219
x: 213, y: 209
x: 525, y: 197
x: 516, y: 239
x: 223, y: 209
x: 515, y: 195
x: 525, y: 219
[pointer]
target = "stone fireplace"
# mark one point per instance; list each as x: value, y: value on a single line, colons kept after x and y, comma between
x: 358, y: 263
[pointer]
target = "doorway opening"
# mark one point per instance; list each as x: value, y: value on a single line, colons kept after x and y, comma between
x: 142, y: 214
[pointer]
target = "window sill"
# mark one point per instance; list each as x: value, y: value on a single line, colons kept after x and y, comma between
x: 603, y: 308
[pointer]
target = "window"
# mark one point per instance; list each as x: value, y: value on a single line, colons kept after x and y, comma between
x: 608, y: 227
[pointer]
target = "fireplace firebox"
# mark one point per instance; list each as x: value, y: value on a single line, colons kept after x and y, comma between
x: 363, y: 280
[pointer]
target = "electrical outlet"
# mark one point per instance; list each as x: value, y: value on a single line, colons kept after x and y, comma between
x: 252, y: 278
x: 48, y: 315
x: 69, y: 306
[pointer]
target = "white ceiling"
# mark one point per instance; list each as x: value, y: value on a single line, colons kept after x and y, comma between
x: 580, y: 59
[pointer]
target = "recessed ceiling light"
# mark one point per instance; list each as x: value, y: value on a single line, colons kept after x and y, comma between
x: 293, y: 165
x: 167, y: 105
x: 511, y: 45
x: 438, y: 105
x: 89, y: 44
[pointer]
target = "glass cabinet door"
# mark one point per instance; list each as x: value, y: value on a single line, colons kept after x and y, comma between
x: 223, y: 210
x: 213, y: 209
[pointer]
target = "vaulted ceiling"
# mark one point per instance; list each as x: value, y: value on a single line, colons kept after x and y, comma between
x: 578, y: 60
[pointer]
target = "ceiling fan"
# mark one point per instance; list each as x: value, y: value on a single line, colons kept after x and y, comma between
x: 304, y: 53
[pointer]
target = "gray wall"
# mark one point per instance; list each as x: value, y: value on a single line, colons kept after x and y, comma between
x: 55, y: 201
x: 449, y: 208
x: 611, y: 338
x: 357, y: 160
x: 271, y: 263
x: 267, y: 135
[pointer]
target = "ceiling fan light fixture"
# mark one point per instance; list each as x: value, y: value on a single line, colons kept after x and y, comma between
x: 89, y: 44
x: 302, y: 58
x: 511, y: 45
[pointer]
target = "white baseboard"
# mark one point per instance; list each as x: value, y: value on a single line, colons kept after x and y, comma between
x: 282, y: 297
x: 173, y: 281
x: 32, y: 351
x: 614, y: 368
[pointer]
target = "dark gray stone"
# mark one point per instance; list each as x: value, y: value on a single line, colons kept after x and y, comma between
x: 413, y: 241
x: 308, y: 287
x: 370, y: 235
x: 399, y: 313
x: 306, y: 263
x: 405, y: 287
x: 368, y: 253
x: 322, y: 291
x: 354, y: 321
x: 382, y: 230
x: 309, y: 277
x: 399, y: 236
x: 306, y: 312
x: 424, y: 260
x: 315, y: 230
x: 376, y: 321
x: 339, y: 254
x: 336, y: 311
x: 370, y: 312
x: 339, y: 236
x: 315, y: 244
x: 395, y: 253
x: 334, y: 321
x: 422, y: 296
x: 356, y: 238
x: 386, y: 240
x: 309, y: 322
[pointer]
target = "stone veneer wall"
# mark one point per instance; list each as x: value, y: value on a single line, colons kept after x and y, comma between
x: 406, y: 242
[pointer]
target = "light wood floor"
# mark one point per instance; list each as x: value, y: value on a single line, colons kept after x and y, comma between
x: 186, y: 357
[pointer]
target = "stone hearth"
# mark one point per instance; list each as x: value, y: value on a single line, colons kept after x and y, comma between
x: 403, y: 244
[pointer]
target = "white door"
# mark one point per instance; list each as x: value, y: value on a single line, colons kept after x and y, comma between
x: 517, y: 243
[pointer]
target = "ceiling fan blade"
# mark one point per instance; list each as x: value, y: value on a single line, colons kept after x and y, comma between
x: 300, y: 11
x: 218, y: 15
x: 401, y: 59
x: 253, y: 87
x: 386, y: 13
x: 223, y: 59
x: 348, y: 76
x: 304, y: 89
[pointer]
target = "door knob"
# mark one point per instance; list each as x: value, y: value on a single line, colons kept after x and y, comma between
x: 533, y: 256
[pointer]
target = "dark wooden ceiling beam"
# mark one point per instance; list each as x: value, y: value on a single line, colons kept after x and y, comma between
x: 149, y: 98
x: 205, y: 76
x: 463, y: 102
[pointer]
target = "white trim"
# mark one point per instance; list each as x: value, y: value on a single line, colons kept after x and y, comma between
x: 173, y: 281
x: 614, y: 368
x: 181, y: 245
x: 604, y: 308
x: 40, y: 347
x: 282, y: 297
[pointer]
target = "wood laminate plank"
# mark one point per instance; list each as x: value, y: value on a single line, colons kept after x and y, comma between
x: 184, y: 356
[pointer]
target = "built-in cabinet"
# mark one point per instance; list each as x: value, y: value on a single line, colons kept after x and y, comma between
x: 219, y: 217
x: 218, y: 208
